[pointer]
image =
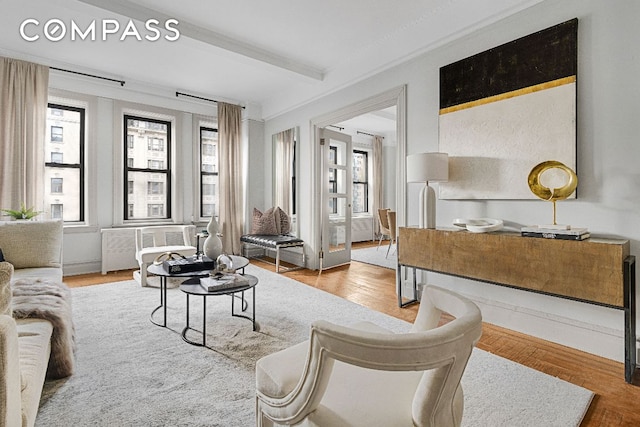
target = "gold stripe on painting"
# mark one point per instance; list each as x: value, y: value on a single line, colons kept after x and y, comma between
x: 507, y: 95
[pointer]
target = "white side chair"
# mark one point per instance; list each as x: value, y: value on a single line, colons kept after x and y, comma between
x: 368, y: 376
x: 160, y: 239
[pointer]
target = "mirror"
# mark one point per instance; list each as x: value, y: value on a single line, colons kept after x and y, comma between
x: 285, y: 172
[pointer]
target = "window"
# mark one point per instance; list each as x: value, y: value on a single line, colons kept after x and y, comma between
x: 360, y: 181
x: 67, y: 163
x: 147, y: 165
x: 56, y: 185
x: 56, y: 211
x: 155, y: 144
x: 155, y: 187
x: 208, y: 171
x: 333, y: 179
x: 56, y: 133
x: 155, y: 211
x: 56, y: 157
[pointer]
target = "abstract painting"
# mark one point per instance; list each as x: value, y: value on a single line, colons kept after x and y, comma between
x: 507, y: 109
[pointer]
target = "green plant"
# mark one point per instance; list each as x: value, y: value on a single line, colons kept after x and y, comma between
x: 23, y: 213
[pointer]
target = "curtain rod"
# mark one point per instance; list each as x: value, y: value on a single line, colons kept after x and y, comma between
x: 198, y: 97
x: 122, y: 82
x: 334, y: 126
x: 370, y: 134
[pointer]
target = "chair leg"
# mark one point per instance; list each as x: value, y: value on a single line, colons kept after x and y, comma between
x: 143, y: 275
x: 380, y: 240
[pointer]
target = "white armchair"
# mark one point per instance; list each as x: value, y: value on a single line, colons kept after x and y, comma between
x: 160, y: 238
x: 366, y: 375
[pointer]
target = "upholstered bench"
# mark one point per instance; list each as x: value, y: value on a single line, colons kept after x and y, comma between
x: 274, y: 242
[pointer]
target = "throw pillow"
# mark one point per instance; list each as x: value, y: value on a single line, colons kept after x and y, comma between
x: 264, y: 223
x: 282, y: 221
x: 6, y: 271
x: 32, y: 244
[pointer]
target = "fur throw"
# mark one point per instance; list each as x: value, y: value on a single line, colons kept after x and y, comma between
x: 43, y: 299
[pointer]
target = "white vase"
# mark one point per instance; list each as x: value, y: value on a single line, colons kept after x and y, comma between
x: 212, y: 247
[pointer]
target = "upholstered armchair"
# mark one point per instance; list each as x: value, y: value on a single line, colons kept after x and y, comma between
x: 156, y: 240
x: 367, y: 376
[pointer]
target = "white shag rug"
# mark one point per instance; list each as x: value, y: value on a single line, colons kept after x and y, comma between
x: 377, y: 256
x: 130, y: 372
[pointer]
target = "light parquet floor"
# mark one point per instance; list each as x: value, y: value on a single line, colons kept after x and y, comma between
x: 616, y: 403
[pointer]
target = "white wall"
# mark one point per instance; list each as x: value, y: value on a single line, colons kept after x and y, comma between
x: 608, y: 127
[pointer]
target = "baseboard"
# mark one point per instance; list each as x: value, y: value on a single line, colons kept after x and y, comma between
x: 74, y: 269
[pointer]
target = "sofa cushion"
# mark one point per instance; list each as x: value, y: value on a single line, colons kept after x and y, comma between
x: 9, y: 373
x: 264, y: 222
x: 34, y: 348
x: 6, y: 271
x: 32, y: 243
x: 44, y: 273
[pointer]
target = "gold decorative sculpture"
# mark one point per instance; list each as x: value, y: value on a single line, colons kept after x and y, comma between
x: 549, y: 194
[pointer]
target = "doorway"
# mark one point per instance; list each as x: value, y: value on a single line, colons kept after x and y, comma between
x: 394, y: 97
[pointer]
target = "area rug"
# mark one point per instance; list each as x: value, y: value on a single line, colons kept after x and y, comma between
x: 130, y: 372
x: 376, y: 256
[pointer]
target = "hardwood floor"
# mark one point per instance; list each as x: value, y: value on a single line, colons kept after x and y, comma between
x: 616, y: 403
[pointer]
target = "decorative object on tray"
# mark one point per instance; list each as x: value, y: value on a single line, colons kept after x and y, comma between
x: 571, y: 233
x: 174, y: 263
x: 549, y: 194
x: 224, y: 264
x: 218, y: 281
x: 212, y: 247
x: 479, y: 225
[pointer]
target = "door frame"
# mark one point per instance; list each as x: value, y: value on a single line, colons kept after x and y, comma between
x: 393, y: 97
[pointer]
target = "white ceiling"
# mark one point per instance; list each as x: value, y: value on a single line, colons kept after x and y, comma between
x: 276, y: 54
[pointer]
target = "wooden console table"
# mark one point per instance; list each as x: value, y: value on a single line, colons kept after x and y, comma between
x: 595, y: 271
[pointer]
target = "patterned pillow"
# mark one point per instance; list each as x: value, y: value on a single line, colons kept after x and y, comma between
x: 282, y: 221
x: 264, y: 223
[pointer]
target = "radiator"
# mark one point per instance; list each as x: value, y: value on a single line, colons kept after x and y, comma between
x: 361, y: 229
x: 118, y: 249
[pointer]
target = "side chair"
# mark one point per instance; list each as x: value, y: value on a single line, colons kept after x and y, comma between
x: 367, y: 376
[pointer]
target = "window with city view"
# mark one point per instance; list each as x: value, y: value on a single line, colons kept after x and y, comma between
x: 64, y: 162
x: 208, y: 172
x: 147, y: 177
x: 360, y: 181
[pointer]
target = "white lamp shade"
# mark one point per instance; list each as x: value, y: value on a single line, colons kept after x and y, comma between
x: 427, y: 167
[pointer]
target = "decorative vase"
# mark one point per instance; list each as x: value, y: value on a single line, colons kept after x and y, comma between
x: 212, y: 247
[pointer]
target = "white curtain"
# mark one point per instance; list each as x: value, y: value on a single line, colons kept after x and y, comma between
x: 284, y: 159
x: 231, y: 173
x: 378, y: 194
x: 23, y: 114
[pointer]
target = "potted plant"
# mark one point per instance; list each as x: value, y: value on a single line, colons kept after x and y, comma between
x: 22, y: 213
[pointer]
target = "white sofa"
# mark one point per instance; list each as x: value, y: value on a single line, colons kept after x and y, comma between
x: 34, y: 248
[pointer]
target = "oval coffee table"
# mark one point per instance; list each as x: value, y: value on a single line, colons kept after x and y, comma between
x: 192, y: 287
x: 238, y: 263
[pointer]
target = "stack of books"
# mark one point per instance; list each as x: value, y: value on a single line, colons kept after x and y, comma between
x: 220, y: 282
x: 574, y: 233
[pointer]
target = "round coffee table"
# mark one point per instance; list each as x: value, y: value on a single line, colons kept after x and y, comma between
x: 238, y: 263
x: 192, y: 287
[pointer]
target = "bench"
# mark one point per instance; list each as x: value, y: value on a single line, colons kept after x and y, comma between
x: 275, y: 242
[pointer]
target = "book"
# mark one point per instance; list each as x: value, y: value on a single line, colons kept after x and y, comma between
x: 559, y: 236
x: 575, y: 231
x: 220, y: 282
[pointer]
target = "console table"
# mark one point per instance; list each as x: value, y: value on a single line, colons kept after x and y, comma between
x: 595, y: 271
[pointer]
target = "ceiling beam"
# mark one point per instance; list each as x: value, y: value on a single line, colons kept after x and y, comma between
x: 213, y: 38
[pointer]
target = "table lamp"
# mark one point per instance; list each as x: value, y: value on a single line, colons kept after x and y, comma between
x: 427, y: 167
